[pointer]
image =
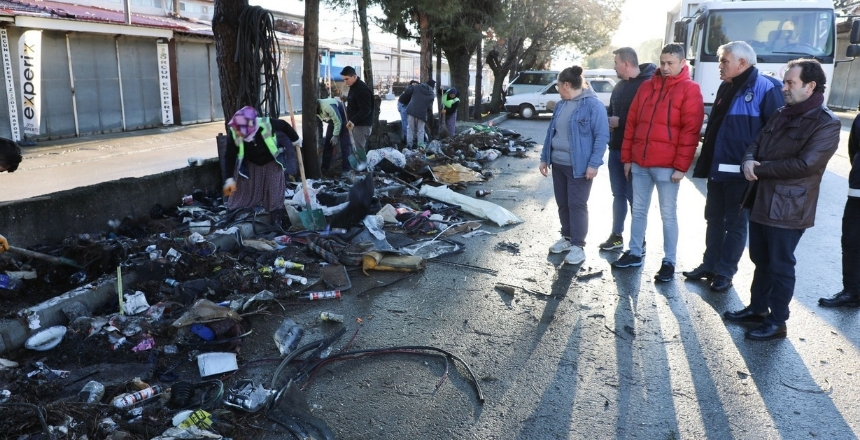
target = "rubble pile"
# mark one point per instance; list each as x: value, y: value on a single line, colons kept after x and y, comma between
x: 162, y: 357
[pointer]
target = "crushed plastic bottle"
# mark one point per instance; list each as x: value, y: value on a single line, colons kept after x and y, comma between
x: 9, y: 283
x: 287, y: 336
x: 92, y: 392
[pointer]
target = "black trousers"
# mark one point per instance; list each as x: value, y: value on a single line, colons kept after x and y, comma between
x: 851, y: 246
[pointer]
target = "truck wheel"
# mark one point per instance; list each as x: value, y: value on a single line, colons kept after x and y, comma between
x: 527, y: 111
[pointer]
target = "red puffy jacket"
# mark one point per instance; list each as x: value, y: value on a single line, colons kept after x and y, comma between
x: 664, y: 122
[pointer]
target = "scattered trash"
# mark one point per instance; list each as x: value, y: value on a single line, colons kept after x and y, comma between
x: 513, y: 248
x: 92, y: 392
x: 46, y: 339
x: 131, y: 399
x: 214, y: 363
x: 331, y: 317
x: 287, y: 336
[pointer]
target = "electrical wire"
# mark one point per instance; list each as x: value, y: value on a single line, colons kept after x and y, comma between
x: 258, y: 54
x: 408, y: 349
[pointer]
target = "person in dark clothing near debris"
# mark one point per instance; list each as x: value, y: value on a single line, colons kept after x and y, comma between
x: 744, y: 103
x: 850, y: 294
x: 419, y: 106
x: 359, y: 108
x: 632, y: 75
x: 256, y: 151
x: 10, y: 155
x: 10, y: 158
x: 402, y: 103
x: 450, y: 102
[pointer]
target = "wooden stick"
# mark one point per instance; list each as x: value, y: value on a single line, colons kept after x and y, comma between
x: 289, y: 99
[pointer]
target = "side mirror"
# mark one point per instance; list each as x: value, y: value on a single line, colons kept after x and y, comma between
x: 854, y: 38
x: 853, y: 51
x: 680, y: 32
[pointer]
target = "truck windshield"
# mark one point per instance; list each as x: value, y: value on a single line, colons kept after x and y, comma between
x: 772, y: 32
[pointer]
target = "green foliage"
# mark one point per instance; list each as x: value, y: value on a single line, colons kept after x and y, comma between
x: 402, y: 17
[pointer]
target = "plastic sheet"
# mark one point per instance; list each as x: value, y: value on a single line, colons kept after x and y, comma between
x: 478, y: 208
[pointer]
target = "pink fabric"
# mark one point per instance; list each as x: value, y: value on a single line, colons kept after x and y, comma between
x: 244, y: 122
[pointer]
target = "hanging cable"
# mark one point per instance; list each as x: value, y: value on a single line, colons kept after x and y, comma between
x: 258, y: 54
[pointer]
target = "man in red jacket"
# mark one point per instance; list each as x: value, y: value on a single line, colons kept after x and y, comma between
x: 660, y: 141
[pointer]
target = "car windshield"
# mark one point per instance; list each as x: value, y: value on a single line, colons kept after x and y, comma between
x: 772, y: 31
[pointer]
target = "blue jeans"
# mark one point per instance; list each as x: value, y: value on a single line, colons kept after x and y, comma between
x: 413, y: 130
x: 404, y: 118
x: 726, y: 234
x: 622, y: 191
x: 571, y: 196
x: 644, y: 181
x: 772, y: 252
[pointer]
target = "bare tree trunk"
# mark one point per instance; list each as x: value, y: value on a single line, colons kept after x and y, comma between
x: 479, y: 77
x: 310, y: 88
x: 365, y: 43
x: 426, y: 54
x: 225, y: 29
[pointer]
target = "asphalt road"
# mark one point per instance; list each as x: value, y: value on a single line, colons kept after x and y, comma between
x: 616, y: 356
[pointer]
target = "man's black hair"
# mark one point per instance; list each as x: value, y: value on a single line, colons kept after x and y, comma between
x: 810, y: 70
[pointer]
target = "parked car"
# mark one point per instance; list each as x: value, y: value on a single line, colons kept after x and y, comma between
x: 531, y: 81
x: 529, y: 105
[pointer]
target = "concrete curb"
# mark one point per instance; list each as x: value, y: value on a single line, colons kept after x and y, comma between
x: 498, y: 119
x: 14, y: 332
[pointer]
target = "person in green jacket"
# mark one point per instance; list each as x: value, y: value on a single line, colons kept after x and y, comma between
x: 332, y: 112
x: 450, y: 102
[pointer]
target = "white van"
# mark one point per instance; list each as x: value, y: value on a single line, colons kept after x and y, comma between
x: 529, y: 105
x: 530, y: 81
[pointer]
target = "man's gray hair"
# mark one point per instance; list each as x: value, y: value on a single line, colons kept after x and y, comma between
x: 740, y: 49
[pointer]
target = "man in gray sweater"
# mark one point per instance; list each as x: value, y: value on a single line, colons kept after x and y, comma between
x: 419, y: 106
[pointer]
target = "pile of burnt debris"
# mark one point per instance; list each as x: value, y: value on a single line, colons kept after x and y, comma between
x: 159, y: 355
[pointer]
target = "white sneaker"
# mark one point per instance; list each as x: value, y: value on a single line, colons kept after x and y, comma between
x: 560, y: 246
x: 575, y: 256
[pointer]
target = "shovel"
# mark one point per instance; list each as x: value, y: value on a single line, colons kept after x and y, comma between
x: 45, y: 257
x: 358, y: 158
x: 312, y: 219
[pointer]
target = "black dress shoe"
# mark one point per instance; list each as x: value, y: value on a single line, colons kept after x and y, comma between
x: 721, y: 283
x: 744, y: 315
x: 841, y: 299
x: 766, y: 332
x: 699, y: 273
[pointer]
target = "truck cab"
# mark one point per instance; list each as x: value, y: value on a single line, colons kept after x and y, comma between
x: 779, y: 31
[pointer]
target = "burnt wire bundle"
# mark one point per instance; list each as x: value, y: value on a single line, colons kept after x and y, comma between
x: 258, y: 56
